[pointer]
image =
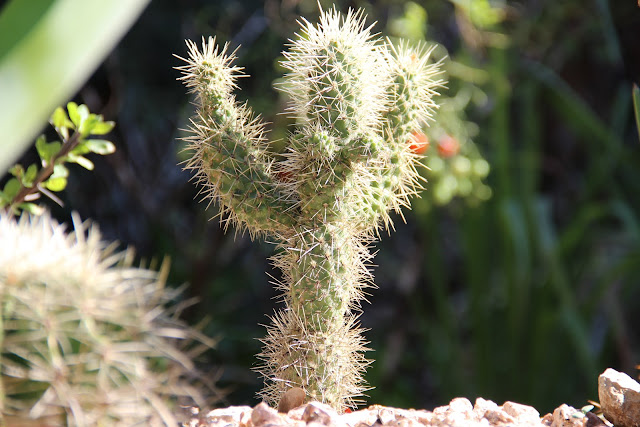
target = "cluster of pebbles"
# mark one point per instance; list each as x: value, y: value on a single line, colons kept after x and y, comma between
x: 619, y: 396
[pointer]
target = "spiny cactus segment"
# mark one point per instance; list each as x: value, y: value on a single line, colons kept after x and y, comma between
x: 86, y: 339
x: 357, y: 102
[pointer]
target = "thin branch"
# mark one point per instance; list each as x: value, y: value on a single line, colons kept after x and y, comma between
x: 45, y: 172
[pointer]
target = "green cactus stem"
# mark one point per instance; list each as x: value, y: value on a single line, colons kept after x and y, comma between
x: 356, y: 101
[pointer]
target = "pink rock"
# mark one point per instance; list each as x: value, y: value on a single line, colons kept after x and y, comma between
x: 547, y: 420
x: 522, y: 413
x: 263, y: 414
x: 490, y: 411
x: 498, y: 417
x: 566, y: 416
x: 408, y: 422
x: 319, y: 413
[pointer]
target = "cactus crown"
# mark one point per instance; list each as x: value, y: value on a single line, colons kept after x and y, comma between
x: 356, y: 100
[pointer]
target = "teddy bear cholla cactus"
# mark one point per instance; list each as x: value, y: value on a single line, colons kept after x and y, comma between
x: 86, y: 338
x: 356, y: 100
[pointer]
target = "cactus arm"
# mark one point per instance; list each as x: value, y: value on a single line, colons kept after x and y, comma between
x: 411, y: 106
x: 336, y: 75
x: 412, y: 103
x: 230, y: 154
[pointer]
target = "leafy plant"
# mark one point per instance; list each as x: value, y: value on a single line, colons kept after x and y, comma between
x: 28, y: 183
x: 44, y: 60
x: 357, y: 101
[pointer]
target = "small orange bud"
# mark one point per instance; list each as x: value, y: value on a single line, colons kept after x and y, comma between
x: 418, y: 142
x: 448, y: 146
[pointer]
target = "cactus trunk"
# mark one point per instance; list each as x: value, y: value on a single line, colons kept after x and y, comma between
x: 356, y: 101
x: 313, y: 343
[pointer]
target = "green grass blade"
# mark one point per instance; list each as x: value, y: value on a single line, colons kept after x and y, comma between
x: 17, y: 18
x: 636, y: 106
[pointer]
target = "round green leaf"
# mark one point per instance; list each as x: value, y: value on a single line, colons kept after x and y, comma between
x: 11, y: 188
x: 59, y: 119
x: 72, y: 107
x: 56, y: 184
x: 32, y: 171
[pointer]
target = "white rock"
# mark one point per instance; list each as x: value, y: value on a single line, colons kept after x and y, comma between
x: 460, y: 404
x: 366, y: 416
x: 232, y: 413
x: 619, y: 396
x: 386, y: 416
x: 522, y: 413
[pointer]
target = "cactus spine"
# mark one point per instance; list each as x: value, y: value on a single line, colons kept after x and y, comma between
x: 356, y: 100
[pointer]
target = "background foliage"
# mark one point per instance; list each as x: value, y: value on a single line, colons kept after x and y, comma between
x: 526, y: 296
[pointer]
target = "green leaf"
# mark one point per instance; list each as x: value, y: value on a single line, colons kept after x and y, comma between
x: 11, y: 188
x: 88, y: 124
x: 47, y: 151
x: 85, y: 163
x: 60, y: 171
x: 81, y: 148
x: 83, y: 111
x: 82, y: 161
x: 17, y: 19
x: 79, y: 115
x: 102, y: 128
x: 17, y: 170
x: 40, y: 146
x: 56, y: 184
x: 100, y: 146
x: 636, y: 105
x: 32, y: 172
x: 59, y: 119
x: 53, y: 149
x: 72, y: 107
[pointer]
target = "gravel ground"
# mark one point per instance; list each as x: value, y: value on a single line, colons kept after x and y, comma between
x: 459, y: 413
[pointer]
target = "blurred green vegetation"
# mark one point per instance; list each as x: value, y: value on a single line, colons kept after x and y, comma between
x: 47, y: 50
x: 525, y: 293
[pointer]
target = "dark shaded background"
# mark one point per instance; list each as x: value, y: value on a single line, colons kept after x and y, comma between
x: 525, y: 297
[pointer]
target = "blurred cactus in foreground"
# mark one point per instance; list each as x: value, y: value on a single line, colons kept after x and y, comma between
x: 357, y: 101
x: 85, y: 338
